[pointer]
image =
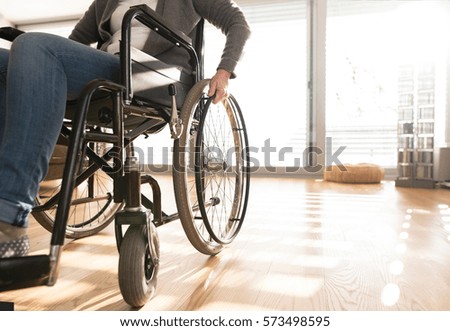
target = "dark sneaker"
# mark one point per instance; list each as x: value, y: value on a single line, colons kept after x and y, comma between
x: 13, y: 241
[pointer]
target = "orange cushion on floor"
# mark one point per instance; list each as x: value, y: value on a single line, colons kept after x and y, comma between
x: 361, y: 173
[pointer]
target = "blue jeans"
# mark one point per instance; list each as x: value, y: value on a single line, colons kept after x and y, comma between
x: 37, y: 76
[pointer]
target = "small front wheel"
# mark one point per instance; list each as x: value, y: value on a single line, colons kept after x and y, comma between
x: 138, y: 269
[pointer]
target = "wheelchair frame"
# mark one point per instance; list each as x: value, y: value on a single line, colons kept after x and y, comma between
x: 140, y: 213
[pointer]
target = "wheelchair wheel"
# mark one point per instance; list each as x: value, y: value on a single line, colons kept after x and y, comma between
x: 211, y: 170
x: 92, y: 206
x: 137, y: 270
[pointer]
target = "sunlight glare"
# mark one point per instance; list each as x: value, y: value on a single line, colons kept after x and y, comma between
x: 401, y: 248
x: 396, y: 267
x: 390, y: 295
x: 289, y: 285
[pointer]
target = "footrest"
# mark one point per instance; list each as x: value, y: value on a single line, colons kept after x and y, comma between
x: 22, y: 272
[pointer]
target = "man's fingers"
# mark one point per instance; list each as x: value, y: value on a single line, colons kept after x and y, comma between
x: 220, y: 95
x: 212, y: 88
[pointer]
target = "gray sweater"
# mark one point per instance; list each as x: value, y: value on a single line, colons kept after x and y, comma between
x: 183, y: 15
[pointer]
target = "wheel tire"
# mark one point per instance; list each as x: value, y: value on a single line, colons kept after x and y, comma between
x: 137, y: 272
x: 196, y: 181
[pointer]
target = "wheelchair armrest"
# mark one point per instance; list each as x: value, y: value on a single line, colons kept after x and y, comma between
x: 9, y: 33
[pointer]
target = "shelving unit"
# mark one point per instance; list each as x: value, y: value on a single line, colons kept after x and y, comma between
x: 416, y: 126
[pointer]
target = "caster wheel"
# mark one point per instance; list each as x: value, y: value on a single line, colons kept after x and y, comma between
x: 138, y: 270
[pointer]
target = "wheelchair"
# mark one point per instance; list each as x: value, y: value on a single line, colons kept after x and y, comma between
x: 102, y: 177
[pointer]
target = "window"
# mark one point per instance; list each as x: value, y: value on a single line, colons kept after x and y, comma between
x: 368, y: 42
x: 271, y: 86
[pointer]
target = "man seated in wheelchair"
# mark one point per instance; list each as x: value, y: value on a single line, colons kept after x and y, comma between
x: 41, y: 72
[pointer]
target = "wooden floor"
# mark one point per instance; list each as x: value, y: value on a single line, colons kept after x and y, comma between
x: 305, y: 245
